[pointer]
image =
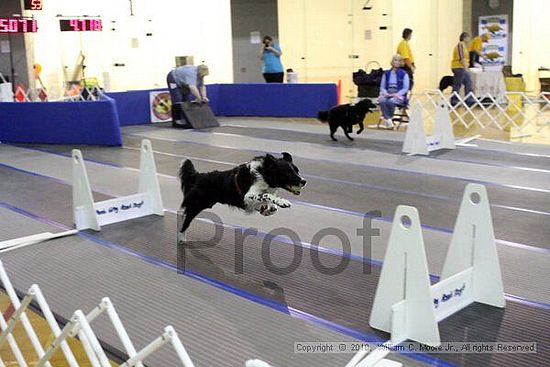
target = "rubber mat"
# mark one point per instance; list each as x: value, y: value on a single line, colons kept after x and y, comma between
x: 347, y: 171
x: 344, y: 297
x: 339, y: 302
x: 14, y: 225
x: 517, y: 281
x: 393, y: 147
x: 216, y: 327
x: 437, y: 199
x: 24, y: 190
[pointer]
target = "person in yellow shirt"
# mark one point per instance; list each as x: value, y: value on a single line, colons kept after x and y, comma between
x: 476, y: 48
x: 404, y: 50
x: 459, y: 65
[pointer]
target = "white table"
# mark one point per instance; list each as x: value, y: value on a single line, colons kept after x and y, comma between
x: 491, y: 82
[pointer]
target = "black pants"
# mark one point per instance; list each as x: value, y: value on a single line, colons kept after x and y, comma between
x: 474, y: 58
x: 178, y: 94
x: 274, y: 77
x: 411, y: 78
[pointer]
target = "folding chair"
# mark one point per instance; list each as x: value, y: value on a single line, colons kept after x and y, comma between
x: 400, y: 115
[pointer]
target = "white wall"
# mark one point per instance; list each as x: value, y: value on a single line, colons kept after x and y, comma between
x: 326, y: 32
x: 531, y: 40
x: 201, y: 28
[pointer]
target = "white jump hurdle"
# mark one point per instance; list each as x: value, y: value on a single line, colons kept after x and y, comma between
x: 405, y: 304
x: 416, y: 141
x: 147, y: 201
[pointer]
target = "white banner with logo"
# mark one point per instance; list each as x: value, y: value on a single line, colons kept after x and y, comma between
x: 160, y: 105
x: 496, y: 50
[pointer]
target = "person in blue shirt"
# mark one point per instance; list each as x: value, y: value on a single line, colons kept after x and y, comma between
x: 394, y: 87
x: 186, y: 84
x: 270, y: 54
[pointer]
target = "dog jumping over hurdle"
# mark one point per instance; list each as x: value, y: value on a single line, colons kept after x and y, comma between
x: 250, y: 187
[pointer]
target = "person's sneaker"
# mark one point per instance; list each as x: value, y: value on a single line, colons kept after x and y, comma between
x: 389, y: 123
x: 181, y: 124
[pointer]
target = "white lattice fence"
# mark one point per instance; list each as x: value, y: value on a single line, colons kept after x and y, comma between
x: 57, y: 94
x: 517, y: 110
x: 78, y: 325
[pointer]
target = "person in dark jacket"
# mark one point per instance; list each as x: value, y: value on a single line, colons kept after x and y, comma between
x: 393, y: 90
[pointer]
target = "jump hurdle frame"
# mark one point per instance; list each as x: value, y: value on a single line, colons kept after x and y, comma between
x: 147, y: 201
x: 405, y: 303
x: 416, y: 141
x: 78, y: 325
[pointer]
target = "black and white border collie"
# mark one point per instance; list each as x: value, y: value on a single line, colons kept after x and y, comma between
x: 250, y: 186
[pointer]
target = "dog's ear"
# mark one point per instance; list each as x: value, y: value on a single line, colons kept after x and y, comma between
x: 287, y: 157
x: 269, y: 158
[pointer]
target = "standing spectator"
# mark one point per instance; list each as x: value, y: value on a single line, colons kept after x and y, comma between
x: 476, y: 48
x: 404, y: 50
x: 186, y: 84
x: 393, y: 90
x: 459, y: 65
x: 270, y: 54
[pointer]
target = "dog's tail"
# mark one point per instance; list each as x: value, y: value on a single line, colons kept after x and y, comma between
x: 322, y: 116
x: 187, y: 175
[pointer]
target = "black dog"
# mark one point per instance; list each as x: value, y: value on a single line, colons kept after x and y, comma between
x: 446, y: 82
x: 346, y: 115
x: 250, y: 186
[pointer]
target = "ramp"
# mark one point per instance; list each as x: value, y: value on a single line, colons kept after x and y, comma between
x: 200, y: 116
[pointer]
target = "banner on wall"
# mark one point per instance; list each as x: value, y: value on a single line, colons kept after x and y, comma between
x: 161, y: 106
x: 496, y: 49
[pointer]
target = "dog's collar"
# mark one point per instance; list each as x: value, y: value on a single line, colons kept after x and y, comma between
x: 237, y: 184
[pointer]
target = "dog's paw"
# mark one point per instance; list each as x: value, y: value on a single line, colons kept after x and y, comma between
x: 283, y: 203
x: 267, y: 210
x: 181, y: 238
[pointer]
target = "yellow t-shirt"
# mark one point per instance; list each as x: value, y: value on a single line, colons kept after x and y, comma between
x: 404, y: 50
x: 476, y: 44
x: 460, y: 52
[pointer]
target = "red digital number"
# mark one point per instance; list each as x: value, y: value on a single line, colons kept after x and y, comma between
x: 83, y: 25
x: 96, y: 25
x: 23, y: 22
x: 74, y: 24
x: 13, y: 25
x: 36, y: 5
x: 18, y: 25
